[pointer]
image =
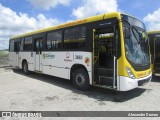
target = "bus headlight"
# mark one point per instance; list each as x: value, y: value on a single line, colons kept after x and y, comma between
x: 130, y: 74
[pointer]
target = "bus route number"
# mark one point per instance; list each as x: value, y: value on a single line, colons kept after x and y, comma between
x: 78, y: 57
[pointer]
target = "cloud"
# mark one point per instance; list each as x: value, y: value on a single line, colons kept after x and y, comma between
x: 48, y: 4
x: 153, y: 20
x: 94, y: 7
x: 12, y: 23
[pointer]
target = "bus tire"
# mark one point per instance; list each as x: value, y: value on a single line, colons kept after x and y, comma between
x: 25, y: 68
x: 81, y: 79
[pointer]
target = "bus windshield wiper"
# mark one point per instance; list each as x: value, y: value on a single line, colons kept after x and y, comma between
x: 135, y: 35
x: 131, y: 28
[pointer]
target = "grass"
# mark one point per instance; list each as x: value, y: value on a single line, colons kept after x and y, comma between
x: 3, y: 54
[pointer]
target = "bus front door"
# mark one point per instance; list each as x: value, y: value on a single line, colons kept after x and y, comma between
x: 105, y: 63
x: 38, y: 57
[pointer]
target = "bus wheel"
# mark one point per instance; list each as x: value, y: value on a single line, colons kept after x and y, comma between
x: 25, y: 68
x: 81, y: 79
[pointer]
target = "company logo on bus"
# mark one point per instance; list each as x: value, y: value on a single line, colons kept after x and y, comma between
x: 67, y: 59
x: 142, y: 74
x: 48, y: 56
x: 67, y: 55
x: 87, y: 61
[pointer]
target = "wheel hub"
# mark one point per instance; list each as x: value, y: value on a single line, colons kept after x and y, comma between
x: 80, y: 79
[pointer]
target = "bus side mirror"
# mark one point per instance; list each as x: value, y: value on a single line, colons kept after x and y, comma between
x: 127, y: 33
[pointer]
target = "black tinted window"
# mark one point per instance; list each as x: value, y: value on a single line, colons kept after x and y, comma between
x: 27, y: 44
x: 14, y: 45
x: 11, y: 46
x: 21, y: 44
x: 54, y: 40
x: 74, y: 38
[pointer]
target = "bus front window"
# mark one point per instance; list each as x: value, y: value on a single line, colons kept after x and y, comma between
x: 136, y: 42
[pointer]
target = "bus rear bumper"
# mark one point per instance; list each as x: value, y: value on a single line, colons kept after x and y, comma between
x: 126, y: 83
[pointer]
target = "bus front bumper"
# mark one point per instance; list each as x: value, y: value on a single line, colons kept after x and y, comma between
x: 126, y: 83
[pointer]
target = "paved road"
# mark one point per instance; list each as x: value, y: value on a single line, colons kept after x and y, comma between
x: 38, y: 92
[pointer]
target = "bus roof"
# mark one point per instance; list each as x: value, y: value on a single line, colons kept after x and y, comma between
x: 154, y: 32
x: 76, y: 22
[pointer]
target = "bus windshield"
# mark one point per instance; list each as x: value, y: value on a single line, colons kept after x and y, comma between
x: 136, y: 41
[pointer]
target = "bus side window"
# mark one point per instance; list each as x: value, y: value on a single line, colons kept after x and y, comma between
x: 37, y: 44
x: 54, y: 40
x: 11, y: 46
x: 27, y: 44
x: 17, y: 45
x: 74, y: 38
x: 21, y: 44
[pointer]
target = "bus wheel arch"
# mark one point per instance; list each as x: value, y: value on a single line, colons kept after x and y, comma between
x: 80, y: 77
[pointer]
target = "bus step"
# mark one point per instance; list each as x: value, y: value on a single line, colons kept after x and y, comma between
x: 104, y: 72
x: 104, y: 86
x: 103, y: 80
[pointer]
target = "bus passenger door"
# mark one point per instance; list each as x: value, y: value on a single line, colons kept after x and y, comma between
x: 38, y: 57
x: 17, y: 48
x: 105, y: 62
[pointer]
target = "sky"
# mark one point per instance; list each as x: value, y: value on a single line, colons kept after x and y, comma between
x: 21, y: 16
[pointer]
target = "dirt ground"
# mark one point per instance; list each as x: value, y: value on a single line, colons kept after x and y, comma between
x: 36, y: 92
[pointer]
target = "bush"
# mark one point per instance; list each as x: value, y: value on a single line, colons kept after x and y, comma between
x: 3, y: 54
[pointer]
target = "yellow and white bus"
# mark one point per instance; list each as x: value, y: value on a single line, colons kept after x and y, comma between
x: 154, y: 39
x: 109, y: 51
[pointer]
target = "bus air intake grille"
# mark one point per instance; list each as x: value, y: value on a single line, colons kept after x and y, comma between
x: 142, y: 82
